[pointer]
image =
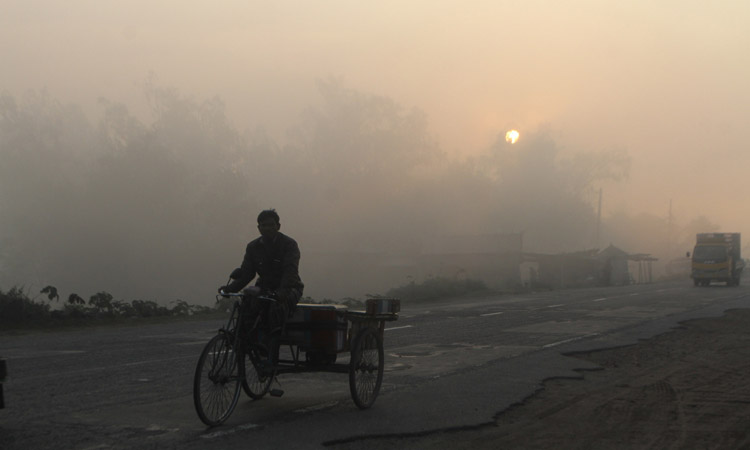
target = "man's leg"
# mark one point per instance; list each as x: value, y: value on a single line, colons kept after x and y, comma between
x: 290, y: 298
x: 276, y: 316
x: 251, y: 314
x: 277, y: 313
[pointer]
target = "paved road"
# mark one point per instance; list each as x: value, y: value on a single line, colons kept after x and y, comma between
x: 449, y: 365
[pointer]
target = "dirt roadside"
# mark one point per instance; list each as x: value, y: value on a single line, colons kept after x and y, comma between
x: 688, y: 388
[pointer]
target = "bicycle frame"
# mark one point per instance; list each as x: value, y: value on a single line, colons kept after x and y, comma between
x: 234, y: 329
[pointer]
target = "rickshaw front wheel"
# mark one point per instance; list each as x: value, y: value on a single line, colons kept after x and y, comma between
x: 216, y: 384
x: 256, y: 383
x: 366, y: 367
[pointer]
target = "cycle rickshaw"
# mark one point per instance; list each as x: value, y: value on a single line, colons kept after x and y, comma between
x: 314, y: 335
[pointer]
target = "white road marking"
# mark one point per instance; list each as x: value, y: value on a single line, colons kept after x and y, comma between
x: 491, y: 314
x: 670, y: 289
x: 216, y: 434
x: 555, y: 306
x: 9, y: 353
x: 398, y: 328
x: 149, y: 361
x: 161, y: 428
x: 193, y: 343
x: 103, y: 368
x: 731, y: 297
x: 555, y: 344
x: 316, y: 407
x: 599, y: 299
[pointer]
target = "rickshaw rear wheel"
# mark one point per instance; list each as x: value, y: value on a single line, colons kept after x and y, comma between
x: 366, y: 367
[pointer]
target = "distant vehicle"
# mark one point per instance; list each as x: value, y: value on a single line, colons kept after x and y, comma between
x: 717, y: 257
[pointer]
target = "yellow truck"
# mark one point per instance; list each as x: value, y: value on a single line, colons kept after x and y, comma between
x: 716, y: 257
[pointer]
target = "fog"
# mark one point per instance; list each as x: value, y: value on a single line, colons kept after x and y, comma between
x: 139, y: 141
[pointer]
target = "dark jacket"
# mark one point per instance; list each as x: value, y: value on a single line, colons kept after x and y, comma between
x: 276, y: 264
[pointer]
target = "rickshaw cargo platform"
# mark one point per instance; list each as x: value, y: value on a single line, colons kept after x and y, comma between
x: 320, y: 327
x: 382, y: 305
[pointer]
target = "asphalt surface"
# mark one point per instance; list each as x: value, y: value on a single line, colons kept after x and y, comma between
x: 450, y: 365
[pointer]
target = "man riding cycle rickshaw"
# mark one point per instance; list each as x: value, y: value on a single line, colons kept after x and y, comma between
x: 244, y: 354
x: 274, y: 258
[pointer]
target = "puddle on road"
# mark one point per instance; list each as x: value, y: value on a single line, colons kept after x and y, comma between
x: 431, y: 359
x: 432, y: 350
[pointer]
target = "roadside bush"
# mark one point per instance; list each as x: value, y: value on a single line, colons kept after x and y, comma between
x: 435, y: 288
x: 18, y: 310
x: 76, y: 311
x: 16, y: 307
x: 149, y: 308
x: 102, y: 303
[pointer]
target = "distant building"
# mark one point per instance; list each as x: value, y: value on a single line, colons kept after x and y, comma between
x: 355, y: 265
x: 614, y: 266
x: 609, y: 267
x: 621, y: 268
x: 576, y: 269
x: 641, y: 268
x: 494, y: 259
x: 348, y: 265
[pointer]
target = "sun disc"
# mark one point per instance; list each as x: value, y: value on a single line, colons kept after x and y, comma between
x: 511, y: 136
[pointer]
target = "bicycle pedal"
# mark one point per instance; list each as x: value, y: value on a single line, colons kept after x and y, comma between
x: 276, y: 392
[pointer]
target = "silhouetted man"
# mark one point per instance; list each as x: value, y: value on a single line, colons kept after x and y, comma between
x: 274, y: 258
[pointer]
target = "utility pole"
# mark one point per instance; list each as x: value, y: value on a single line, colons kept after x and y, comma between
x: 598, y: 220
x: 670, y: 231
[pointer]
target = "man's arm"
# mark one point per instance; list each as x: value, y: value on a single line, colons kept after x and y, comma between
x: 290, y: 267
x: 247, y: 272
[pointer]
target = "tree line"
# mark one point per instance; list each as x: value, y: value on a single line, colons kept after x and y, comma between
x: 161, y: 207
x: 19, y: 309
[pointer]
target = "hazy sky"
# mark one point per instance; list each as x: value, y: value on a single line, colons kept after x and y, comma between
x: 666, y: 80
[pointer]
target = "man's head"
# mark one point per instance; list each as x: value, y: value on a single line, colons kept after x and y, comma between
x: 268, y: 223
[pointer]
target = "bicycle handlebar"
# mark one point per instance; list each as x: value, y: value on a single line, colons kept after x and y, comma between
x: 240, y: 294
x: 231, y: 294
